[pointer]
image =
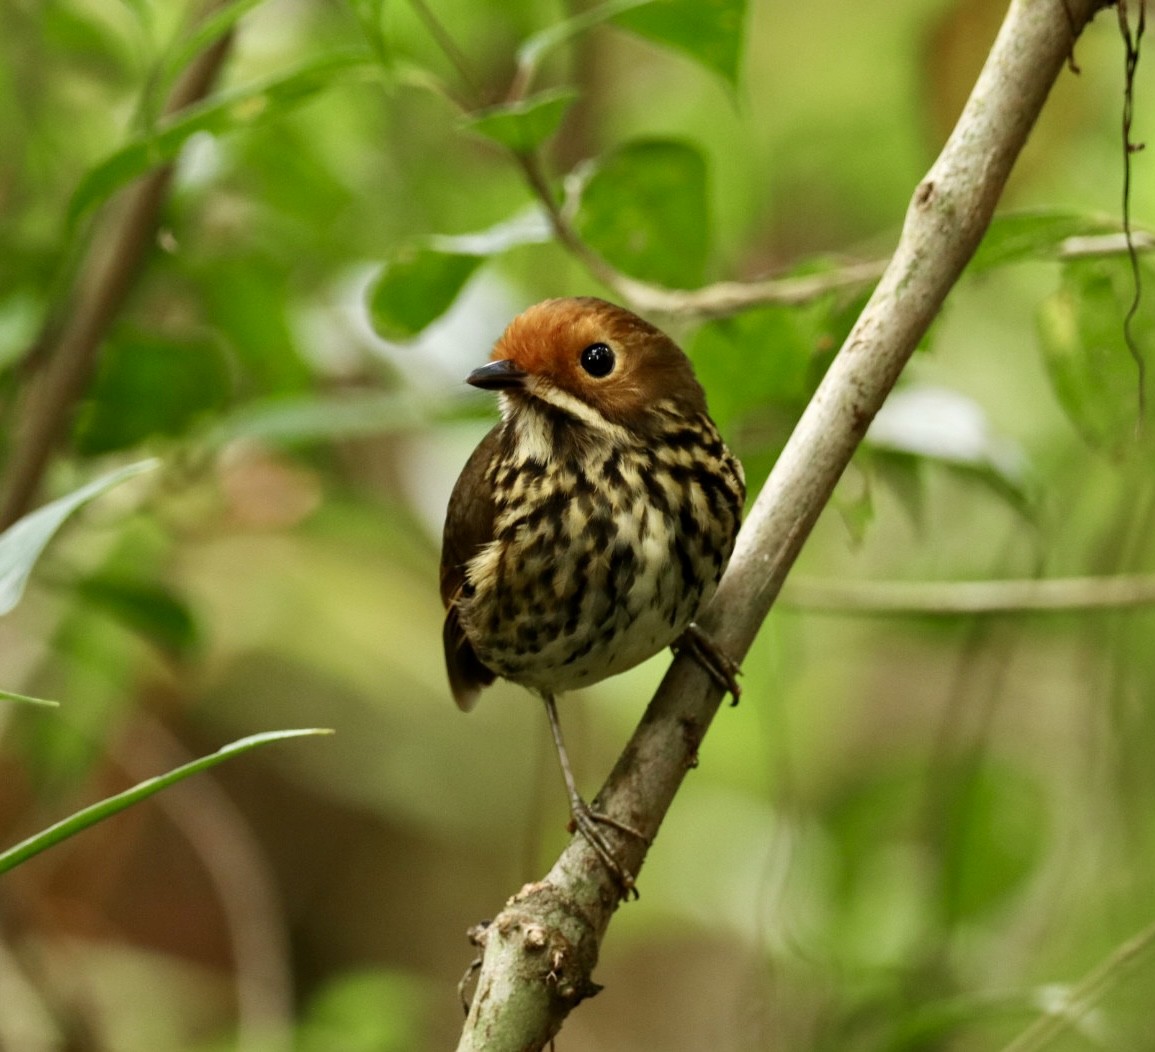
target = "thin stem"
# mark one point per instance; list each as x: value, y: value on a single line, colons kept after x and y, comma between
x: 449, y: 48
x: 1131, y: 46
x: 963, y: 598
x: 1075, y: 1002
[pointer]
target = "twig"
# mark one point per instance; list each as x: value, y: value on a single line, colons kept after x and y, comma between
x: 1073, y: 1003
x: 444, y: 40
x: 1091, y: 246
x: 540, y: 950
x: 1131, y: 51
x: 962, y: 598
x: 711, y: 301
x: 68, y: 356
x: 241, y: 877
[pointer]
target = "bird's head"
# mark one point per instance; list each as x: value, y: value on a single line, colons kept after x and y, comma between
x: 593, y: 361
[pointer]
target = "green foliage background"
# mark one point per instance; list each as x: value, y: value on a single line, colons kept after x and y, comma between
x: 912, y: 833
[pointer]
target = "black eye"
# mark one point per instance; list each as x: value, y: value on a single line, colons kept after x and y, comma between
x: 598, y: 360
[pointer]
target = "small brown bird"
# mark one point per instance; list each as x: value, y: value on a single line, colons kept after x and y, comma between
x: 593, y: 522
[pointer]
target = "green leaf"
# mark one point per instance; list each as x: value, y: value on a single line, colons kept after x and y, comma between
x: 24, y: 699
x: 416, y: 288
x: 757, y: 369
x: 524, y: 125
x: 753, y: 361
x: 1091, y: 370
x: 645, y: 210
x: 1020, y: 236
x: 421, y: 281
x: 149, y: 609
x: 97, y: 812
x: 242, y: 107
x: 24, y: 541
x: 710, y: 31
x: 148, y: 385
x: 246, y: 303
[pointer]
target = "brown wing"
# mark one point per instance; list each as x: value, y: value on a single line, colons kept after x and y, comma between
x: 468, y: 527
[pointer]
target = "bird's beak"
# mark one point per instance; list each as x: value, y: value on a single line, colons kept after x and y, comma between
x: 497, y: 376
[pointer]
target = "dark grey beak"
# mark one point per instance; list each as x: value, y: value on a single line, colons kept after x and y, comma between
x: 497, y: 376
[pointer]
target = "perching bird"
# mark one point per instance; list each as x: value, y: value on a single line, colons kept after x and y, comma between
x: 593, y: 522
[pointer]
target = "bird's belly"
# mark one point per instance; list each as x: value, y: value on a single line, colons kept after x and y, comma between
x: 613, y: 591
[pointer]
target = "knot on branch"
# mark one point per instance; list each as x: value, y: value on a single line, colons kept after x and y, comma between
x: 554, y: 938
x: 539, y: 953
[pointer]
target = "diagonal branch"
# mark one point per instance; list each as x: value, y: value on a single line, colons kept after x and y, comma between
x: 540, y: 951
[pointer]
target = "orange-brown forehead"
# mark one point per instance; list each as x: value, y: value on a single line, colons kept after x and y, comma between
x: 550, y: 336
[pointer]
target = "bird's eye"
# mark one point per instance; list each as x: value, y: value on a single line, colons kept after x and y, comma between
x: 598, y: 360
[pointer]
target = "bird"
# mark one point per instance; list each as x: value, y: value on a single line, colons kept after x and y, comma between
x: 592, y: 523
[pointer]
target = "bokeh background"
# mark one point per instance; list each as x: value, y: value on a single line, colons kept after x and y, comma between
x: 917, y: 831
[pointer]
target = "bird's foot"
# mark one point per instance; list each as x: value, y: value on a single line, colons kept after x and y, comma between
x: 587, y: 821
x: 723, y: 669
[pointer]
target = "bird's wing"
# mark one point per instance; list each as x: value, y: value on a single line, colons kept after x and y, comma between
x: 468, y: 528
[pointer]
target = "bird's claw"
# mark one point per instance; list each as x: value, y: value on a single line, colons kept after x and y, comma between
x: 586, y: 821
x: 722, y: 669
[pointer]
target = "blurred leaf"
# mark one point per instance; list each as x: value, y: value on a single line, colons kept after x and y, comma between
x: 939, y: 424
x: 328, y: 417
x: 415, y: 288
x: 753, y: 361
x: 247, y: 303
x: 148, y: 608
x: 86, y: 35
x: 877, y: 890
x: 371, y: 17
x: 141, y: 12
x: 994, y: 831
x: 903, y: 478
x: 148, y: 385
x: 1020, y: 236
x: 709, y: 31
x: 855, y: 507
x: 20, y: 316
x: 24, y: 541
x: 365, y: 1012
x: 524, y: 125
x: 645, y: 210
x: 225, y: 112
x: 529, y: 227
x: 421, y: 281
x: 1091, y: 370
x: 24, y: 699
x: 97, y: 812
x: 536, y: 47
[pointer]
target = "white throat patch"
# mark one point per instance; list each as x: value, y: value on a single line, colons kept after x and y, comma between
x: 533, y: 432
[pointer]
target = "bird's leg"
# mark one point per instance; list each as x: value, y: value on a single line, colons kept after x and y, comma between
x: 723, y: 669
x: 585, y: 819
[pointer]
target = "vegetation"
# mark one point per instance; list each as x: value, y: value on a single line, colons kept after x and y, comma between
x: 928, y: 824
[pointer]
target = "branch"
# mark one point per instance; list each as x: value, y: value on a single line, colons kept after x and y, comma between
x: 719, y: 300
x: 123, y: 237
x: 964, y: 598
x: 540, y: 950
